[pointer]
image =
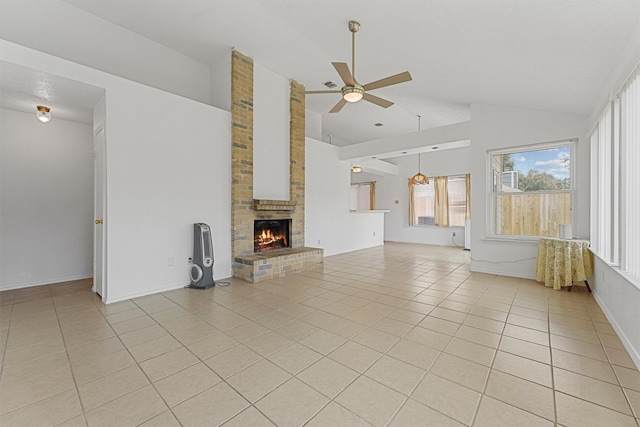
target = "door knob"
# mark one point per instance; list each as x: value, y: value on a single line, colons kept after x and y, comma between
x: 98, y: 221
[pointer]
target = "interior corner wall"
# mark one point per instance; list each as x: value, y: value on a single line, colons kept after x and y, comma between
x: 329, y: 224
x: 165, y: 171
x: 46, y: 200
x: 495, y: 127
x: 390, y: 188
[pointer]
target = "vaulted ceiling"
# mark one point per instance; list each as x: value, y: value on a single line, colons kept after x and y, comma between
x: 540, y: 54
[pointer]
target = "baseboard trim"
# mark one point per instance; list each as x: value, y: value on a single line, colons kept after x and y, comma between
x: 633, y: 352
x: 152, y: 292
x: 47, y: 282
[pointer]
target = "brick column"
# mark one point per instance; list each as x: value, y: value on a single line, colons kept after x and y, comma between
x: 297, y: 156
x: 246, y: 264
x: 241, y: 153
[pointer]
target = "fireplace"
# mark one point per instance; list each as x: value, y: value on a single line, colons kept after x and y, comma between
x: 270, y: 234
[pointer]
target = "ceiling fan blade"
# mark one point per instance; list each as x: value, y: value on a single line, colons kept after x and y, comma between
x: 338, y: 106
x: 377, y: 100
x: 388, y: 81
x: 313, y: 92
x: 343, y: 70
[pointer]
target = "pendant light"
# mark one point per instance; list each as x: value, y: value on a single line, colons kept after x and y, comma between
x: 43, y: 114
x: 419, y: 178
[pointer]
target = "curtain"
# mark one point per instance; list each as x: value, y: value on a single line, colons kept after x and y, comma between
x: 441, y: 208
x: 467, y: 215
x: 372, y: 195
x: 412, y: 209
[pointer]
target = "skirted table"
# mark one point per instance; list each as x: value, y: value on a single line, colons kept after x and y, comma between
x: 560, y: 262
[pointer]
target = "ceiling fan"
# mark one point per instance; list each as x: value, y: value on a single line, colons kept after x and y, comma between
x: 352, y: 91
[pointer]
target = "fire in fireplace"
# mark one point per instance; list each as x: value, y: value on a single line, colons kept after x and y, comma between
x: 269, y: 234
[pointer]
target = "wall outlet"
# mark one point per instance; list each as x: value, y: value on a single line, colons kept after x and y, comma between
x: 374, y: 234
x: 318, y: 241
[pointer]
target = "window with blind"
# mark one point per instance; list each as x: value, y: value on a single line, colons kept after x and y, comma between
x: 615, y: 181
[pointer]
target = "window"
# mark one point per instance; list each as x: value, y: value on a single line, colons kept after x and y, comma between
x: 615, y: 179
x: 424, y: 201
x: 363, y: 196
x: 532, y: 189
x: 603, y: 144
x: 457, y: 200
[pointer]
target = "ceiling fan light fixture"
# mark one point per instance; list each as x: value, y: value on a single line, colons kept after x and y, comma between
x: 352, y: 90
x: 352, y: 93
x: 43, y: 114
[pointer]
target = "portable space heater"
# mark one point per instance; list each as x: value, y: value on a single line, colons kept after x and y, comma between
x: 202, y: 267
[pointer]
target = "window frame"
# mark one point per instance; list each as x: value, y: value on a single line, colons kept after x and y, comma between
x: 572, y: 143
x: 432, y: 182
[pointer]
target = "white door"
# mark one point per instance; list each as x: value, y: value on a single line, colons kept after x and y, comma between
x: 99, y: 196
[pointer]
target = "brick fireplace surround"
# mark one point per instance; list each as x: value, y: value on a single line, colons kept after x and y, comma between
x: 244, y: 209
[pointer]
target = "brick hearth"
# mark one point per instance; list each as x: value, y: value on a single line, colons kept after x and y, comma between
x: 244, y: 209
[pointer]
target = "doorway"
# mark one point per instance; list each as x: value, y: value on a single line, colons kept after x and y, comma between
x: 49, y: 192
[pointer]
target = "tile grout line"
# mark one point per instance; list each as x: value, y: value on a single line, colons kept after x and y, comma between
x: 382, y: 292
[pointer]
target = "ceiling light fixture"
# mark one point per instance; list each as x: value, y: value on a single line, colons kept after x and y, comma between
x: 43, y: 114
x: 419, y: 178
x: 356, y: 169
x: 353, y: 93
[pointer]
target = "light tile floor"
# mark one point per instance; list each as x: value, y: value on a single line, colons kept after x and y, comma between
x: 400, y: 335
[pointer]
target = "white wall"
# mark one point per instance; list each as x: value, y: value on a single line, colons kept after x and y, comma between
x: 165, y: 171
x: 221, y: 82
x: 68, y: 32
x: 271, y: 118
x: 395, y: 187
x: 328, y: 222
x: 620, y: 301
x: 312, y: 125
x: 499, y: 127
x: 46, y: 200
